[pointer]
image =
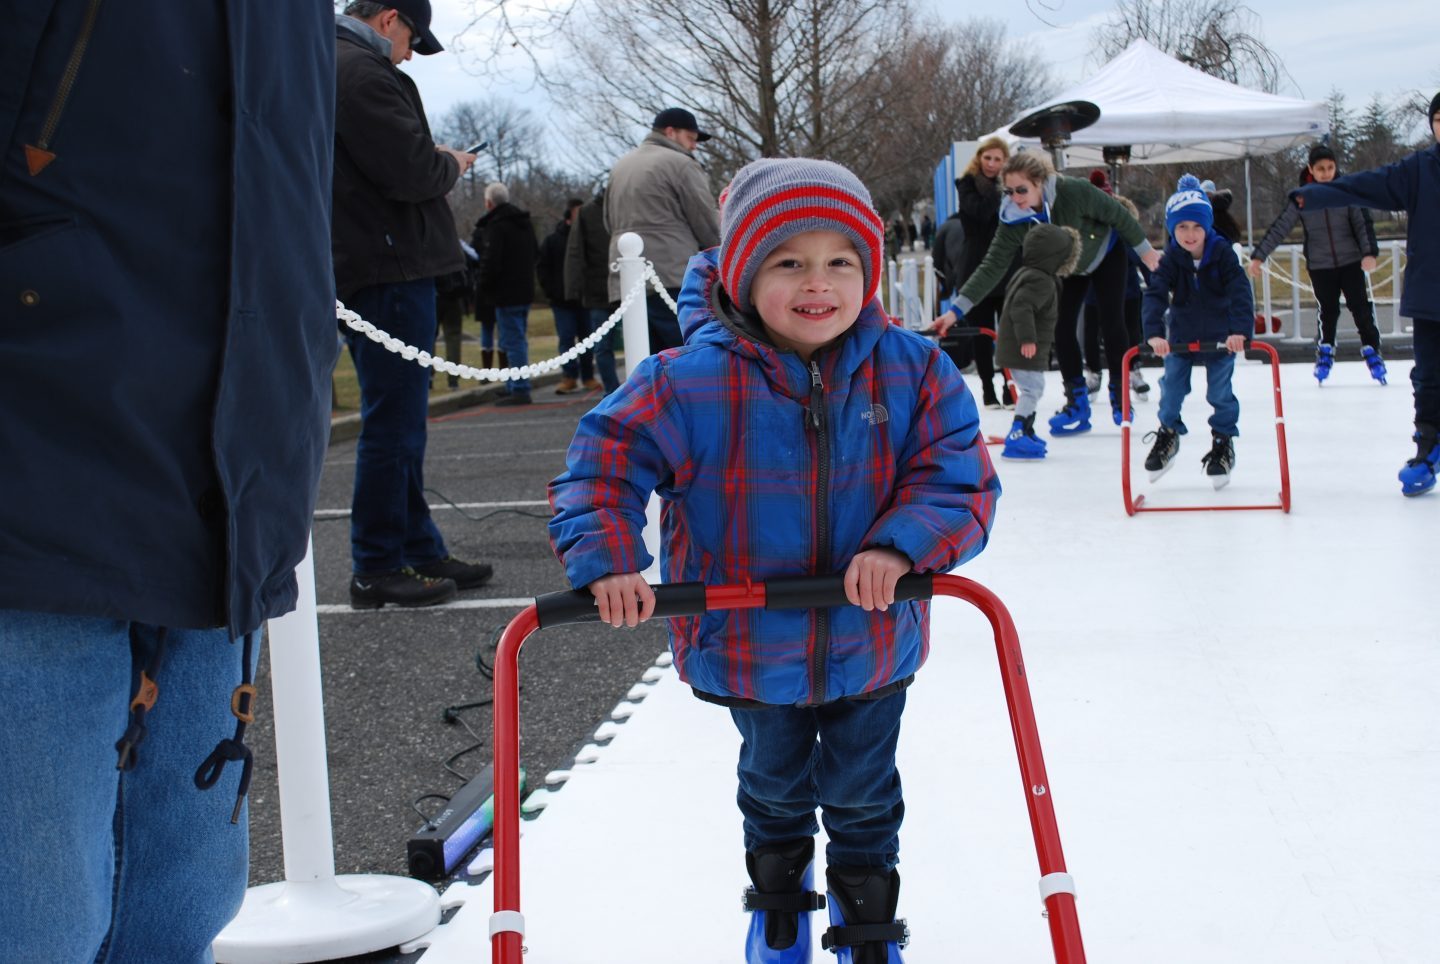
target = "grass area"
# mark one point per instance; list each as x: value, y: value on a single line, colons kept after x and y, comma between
x: 542, y: 346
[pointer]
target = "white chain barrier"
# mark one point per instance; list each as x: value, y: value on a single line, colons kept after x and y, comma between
x: 427, y: 360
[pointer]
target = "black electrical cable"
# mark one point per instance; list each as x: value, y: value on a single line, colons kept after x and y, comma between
x: 415, y: 805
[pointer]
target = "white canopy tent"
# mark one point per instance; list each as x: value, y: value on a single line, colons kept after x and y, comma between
x: 1166, y: 112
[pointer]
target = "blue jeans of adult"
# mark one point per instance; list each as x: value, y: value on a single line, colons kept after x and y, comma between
x: 1175, y: 385
x: 664, y: 326
x: 510, y: 322
x: 99, y: 864
x: 572, y: 324
x: 605, y: 350
x: 390, y: 524
x: 839, y: 757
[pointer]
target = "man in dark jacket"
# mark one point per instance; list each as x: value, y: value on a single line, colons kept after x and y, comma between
x: 154, y: 505
x: 505, y: 239
x: 587, y: 280
x: 572, y: 321
x: 393, y: 236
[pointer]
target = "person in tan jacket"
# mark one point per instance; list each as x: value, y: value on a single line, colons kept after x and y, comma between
x: 659, y: 191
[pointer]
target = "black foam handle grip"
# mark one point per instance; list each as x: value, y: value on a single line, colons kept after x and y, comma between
x: 821, y: 592
x: 578, y: 606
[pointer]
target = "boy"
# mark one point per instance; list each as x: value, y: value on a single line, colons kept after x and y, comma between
x: 1027, y: 327
x: 1339, y: 252
x: 796, y: 432
x: 1411, y: 185
x: 1209, y: 301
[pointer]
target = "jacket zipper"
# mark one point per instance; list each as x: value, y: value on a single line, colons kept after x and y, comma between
x: 1330, y: 233
x: 815, y: 412
x: 67, y: 84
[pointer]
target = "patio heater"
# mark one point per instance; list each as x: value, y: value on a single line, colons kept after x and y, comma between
x: 1053, y: 125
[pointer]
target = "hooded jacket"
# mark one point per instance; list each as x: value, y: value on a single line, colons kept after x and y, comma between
x: 391, y: 222
x: 660, y: 192
x: 1207, y: 304
x: 1070, y: 202
x: 1411, y: 184
x: 587, y: 256
x: 1032, y: 298
x: 767, y: 467
x: 172, y: 480
x: 505, y: 240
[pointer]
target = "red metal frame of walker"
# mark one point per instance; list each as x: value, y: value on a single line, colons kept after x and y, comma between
x: 962, y: 332
x: 1136, y: 504
x: 507, y: 924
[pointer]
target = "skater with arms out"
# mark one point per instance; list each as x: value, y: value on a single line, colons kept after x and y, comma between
x: 796, y: 432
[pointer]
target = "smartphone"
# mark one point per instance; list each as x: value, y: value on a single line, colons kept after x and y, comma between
x: 476, y: 149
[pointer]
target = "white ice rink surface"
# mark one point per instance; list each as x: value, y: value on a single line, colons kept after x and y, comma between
x: 1238, y: 711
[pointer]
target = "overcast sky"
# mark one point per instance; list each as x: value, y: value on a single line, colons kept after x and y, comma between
x: 1361, y: 47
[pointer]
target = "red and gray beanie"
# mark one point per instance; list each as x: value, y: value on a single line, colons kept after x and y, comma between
x: 773, y: 199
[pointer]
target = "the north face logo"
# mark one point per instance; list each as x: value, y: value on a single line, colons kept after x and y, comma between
x: 877, y: 414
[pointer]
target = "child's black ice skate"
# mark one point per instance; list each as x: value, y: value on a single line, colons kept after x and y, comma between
x: 1219, y: 460
x: 781, y: 899
x: 862, y: 916
x: 1376, y: 363
x: 1163, y: 452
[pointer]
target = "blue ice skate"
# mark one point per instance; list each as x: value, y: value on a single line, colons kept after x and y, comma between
x: 1022, y: 442
x: 1324, y: 361
x: 1376, y: 363
x: 780, y: 902
x: 1418, y: 475
x: 863, y: 928
x: 1074, y: 418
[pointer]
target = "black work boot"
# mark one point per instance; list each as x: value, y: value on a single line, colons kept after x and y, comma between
x: 399, y: 587
x: 465, y: 574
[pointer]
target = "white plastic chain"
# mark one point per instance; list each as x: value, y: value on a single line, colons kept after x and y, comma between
x: 427, y: 360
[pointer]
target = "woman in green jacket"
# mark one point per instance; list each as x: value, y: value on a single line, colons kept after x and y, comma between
x: 1035, y: 194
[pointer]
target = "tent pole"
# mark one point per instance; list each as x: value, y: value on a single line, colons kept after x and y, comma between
x: 1249, y: 208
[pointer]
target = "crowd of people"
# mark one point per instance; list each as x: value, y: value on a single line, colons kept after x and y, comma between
x: 149, y: 524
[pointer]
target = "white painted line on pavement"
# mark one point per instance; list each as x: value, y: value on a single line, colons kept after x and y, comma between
x: 343, y: 609
x: 528, y: 504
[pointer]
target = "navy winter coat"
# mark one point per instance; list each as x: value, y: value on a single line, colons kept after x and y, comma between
x: 168, y: 320
x: 1208, y: 304
x: 1411, y: 184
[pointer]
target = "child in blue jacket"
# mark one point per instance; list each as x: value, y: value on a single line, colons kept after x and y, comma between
x: 1411, y: 185
x: 796, y: 432
x: 1209, y: 301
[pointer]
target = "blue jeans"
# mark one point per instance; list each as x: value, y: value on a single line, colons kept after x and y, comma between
x: 605, y: 350
x: 1175, y: 385
x: 664, y: 326
x: 97, y: 864
x: 839, y: 757
x: 510, y: 320
x: 571, y: 325
x: 390, y: 525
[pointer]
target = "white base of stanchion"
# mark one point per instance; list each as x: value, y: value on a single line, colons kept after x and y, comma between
x: 326, y: 919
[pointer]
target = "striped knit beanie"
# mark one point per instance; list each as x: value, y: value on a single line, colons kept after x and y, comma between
x: 773, y: 199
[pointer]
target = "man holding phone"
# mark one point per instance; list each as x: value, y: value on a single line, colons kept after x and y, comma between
x: 393, y: 235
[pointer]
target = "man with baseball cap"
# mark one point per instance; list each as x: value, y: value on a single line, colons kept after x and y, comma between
x: 660, y: 192
x: 392, y: 234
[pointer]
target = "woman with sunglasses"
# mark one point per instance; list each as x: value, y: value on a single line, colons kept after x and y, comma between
x: 1035, y: 194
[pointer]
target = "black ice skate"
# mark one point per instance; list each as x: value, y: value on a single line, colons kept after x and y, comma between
x: 1167, y: 445
x: 1219, y: 460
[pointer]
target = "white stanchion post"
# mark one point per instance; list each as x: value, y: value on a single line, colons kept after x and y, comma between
x: 1295, y: 296
x: 636, y: 324
x: 1397, y: 254
x: 313, y: 915
x: 894, y: 292
x: 637, y: 347
x: 929, y: 284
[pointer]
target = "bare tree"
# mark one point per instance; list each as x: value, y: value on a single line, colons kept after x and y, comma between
x: 768, y: 77
x: 1218, y: 37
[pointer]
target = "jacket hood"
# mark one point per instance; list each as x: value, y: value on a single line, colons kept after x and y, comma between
x: 707, y: 316
x: 1012, y: 213
x: 1051, y: 249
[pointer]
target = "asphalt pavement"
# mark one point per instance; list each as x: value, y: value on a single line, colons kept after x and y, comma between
x: 390, y: 674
